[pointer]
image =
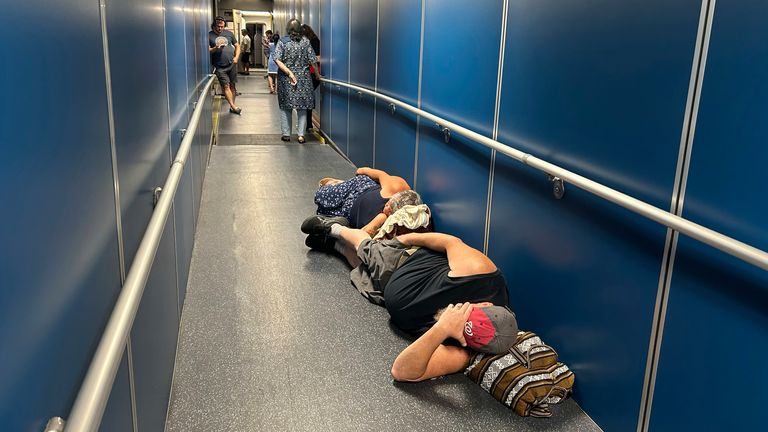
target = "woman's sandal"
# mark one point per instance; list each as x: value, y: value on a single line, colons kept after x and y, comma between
x: 285, y: 138
x: 301, y: 139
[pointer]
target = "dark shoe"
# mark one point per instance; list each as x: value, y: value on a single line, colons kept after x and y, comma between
x: 321, y: 225
x: 236, y: 110
x: 301, y: 139
x: 285, y: 138
x: 321, y: 243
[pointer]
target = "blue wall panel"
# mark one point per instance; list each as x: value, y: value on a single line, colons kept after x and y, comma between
x: 398, y: 76
x: 184, y: 208
x: 143, y: 156
x: 716, y: 331
x: 325, y: 64
x: 339, y: 71
x: 362, y: 71
x: 153, y: 338
x: 453, y: 178
x: 395, y: 141
x: 59, y: 269
x: 611, y: 108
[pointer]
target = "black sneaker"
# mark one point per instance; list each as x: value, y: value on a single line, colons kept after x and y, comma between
x: 320, y: 243
x: 321, y: 225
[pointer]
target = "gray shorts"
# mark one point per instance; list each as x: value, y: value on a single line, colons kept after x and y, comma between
x: 227, y: 75
x: 380, y: 258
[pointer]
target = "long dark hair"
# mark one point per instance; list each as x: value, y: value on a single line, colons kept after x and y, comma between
x: 308, y: 32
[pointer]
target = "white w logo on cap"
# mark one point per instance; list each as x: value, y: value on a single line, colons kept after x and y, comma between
x: 468, y: 328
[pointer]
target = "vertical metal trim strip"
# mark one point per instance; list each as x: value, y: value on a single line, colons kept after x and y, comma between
x: 676, y: 207
x: 496, y: 109
x: 173, y: 206
x: 349, y: 63
x: 418, y: 98
x: 132, y: 379
x: 170, y: 157
x: 331, y: 61
x: 376, y: 80
x: 116, y: 186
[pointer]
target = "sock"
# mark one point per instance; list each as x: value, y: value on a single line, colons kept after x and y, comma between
x: 336, y: 230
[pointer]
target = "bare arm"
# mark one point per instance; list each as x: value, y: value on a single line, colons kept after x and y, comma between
x: 237, y: 53
x: 427, y: 357
x: 463, y: 260
x: 375, y: 224
x: 390, y: 184
x: 284, y: 68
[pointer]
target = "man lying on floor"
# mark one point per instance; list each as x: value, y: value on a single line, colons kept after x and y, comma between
x: 416, y: 274
x: 364, y: 199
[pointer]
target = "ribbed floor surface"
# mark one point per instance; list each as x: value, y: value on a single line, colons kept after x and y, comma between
x: 275, y: 338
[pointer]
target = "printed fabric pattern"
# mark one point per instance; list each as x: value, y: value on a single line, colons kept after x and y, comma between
x: 528, y: 379
x: 337, y: 199
x: 297, y: 56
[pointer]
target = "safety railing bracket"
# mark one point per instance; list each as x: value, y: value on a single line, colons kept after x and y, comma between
x: 55, y: 424
x: 156, y: 196
x: 392, y: 108
x: 558, y: 186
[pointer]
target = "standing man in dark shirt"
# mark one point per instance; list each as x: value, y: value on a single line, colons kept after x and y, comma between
x: 224, y: 51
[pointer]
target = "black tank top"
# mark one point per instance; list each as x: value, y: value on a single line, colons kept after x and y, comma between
x: 367, y: 206
x: 421, y: 286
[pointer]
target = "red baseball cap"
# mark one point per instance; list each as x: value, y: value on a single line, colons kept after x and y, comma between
x: 491, y: 329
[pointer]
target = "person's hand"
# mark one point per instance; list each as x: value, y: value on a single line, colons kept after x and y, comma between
x: 292, y: 79
x: 451, y: 322
x: 234, y: 60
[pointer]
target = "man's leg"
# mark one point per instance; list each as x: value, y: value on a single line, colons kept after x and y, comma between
x: 230, y: 97
x: 352, y: 236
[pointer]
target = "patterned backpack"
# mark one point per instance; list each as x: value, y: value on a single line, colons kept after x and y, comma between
x: 527, y: 379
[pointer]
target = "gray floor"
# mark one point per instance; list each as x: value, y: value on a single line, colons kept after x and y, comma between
x: 274, y: 337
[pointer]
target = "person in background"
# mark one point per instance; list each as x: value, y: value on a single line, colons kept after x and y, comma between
x: 224, y: 51
x: 265, y: 40
x: 271, y: 65
x: 315, y: 42
x: 245, y: 54
x: 294, y: 56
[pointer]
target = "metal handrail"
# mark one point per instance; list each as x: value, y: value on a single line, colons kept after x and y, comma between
x: 94, y: 392
x: 703, y: 234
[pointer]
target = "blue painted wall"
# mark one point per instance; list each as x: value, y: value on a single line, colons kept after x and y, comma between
x: 339, y: 58
x: 362, y: 71
x: 609, y: 108
x: 453, y: 177
x: 716, y: 331
x: 601, y: 89
x: 398, y: 76
x: 59, y: 259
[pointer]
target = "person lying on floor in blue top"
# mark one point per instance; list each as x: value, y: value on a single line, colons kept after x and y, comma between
x: 363, y: 199
x: 416, y: 274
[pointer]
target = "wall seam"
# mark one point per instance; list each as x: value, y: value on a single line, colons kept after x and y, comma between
x: 349, y: 63
x: 376, y: 80
x: 116, y: 186
x: 676, y: 207
x: 495, y: 133
x: 418, y: 98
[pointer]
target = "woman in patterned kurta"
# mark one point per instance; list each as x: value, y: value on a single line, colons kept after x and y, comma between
x: 293, y: 56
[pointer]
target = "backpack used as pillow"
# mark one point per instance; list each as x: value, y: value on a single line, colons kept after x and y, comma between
x: 527, y: 379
